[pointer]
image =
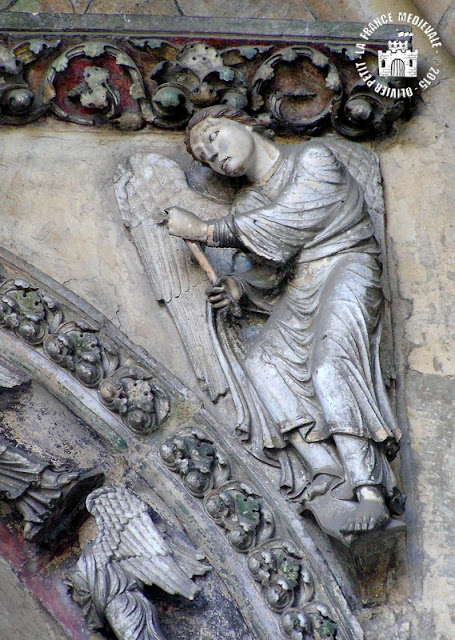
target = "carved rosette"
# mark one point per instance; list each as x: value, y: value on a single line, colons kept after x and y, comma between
x: 200, y: 464
x: 363, y: 112
x: 28, y: 312
x: 244, y: 515
x: 18, y: 103
x: 197, y: 78
x: 79, y: 347
x: 96, y: 82
x: 287, y: 584
x: 296, y: 88
x: 130, y: 391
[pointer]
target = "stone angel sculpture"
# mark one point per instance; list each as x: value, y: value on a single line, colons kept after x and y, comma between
x: 302, y: 363
x: 127, y: 554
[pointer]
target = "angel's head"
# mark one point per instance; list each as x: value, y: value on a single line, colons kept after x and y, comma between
x: 224, y: 139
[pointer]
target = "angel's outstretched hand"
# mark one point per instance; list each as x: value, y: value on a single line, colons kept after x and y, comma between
x: 185, y: 224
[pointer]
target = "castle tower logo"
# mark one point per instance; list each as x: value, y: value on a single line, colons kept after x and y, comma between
x: 398, y: 61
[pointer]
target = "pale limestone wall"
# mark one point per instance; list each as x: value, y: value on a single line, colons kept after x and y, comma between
x: 418, y: 167
x: 60, y: 214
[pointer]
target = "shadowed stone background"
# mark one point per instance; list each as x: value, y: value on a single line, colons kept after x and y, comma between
x: 60, y: 214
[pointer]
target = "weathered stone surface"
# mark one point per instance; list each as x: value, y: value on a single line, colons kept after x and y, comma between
x: 57, y: 434
x: 68, y: 201
x: 49, y: 206
x: 24, y: 616
x: 417, y: 167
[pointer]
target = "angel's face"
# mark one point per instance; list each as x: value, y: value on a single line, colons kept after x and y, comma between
x: 225, y: 145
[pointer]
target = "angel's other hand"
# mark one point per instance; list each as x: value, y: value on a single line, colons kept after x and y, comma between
x: 185, y: 224
x: 225, y: 292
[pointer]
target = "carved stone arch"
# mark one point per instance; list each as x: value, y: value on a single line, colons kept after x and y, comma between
x: 313, y: 595
x: 166, y: 442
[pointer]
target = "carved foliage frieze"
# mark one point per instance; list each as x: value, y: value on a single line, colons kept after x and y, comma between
x: 28, y: 312
x: 242, y: 513
x: 151, y: 81
x: 131, y: 393
x: 81, y: 349
x: 287, y: 583
x: 85, y: 351
x: 193, y: 455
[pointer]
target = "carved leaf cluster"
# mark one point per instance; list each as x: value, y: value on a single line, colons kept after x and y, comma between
x: 86, y: 352
x: 243, y: 514
x: 287, y: 584
x: 297, y: 88
x: 193, y: 455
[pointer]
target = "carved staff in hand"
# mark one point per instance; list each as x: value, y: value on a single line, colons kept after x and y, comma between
x: 307, y: 385
x: 225, y: 292
x: 315, y: 365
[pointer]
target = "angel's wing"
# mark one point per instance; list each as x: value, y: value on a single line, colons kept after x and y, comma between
x: 127, y: 536
x: 147, y: 185
x: 363, y: 164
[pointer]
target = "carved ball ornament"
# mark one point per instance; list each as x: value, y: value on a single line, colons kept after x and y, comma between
x: 149, y: 81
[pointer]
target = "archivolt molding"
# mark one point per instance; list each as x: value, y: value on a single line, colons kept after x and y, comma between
x: 65, y: 343
x: 288, y: 585
x: 301, y: 84
x: 297, y: 83
x: 298, y: 589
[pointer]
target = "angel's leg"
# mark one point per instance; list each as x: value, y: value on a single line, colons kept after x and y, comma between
x: 367, y: 469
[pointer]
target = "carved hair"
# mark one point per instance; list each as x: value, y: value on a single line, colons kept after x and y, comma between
x: 220, y: 111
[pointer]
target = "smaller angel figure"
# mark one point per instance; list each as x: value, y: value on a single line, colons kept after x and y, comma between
x: 127, y: 554
x: 311, y: 378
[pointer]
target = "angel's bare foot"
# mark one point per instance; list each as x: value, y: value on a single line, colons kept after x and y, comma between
x: 318, y: 487
x: 371, y: 512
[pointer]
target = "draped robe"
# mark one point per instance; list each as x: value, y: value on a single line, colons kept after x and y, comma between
x: 314, y: 367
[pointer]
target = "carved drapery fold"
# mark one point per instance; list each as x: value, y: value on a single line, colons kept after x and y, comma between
x: 227, y: 493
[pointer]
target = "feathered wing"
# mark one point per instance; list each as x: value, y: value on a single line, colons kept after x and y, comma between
x: 363, y: 165
x: 128, y: 537
x: 148, y: 184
